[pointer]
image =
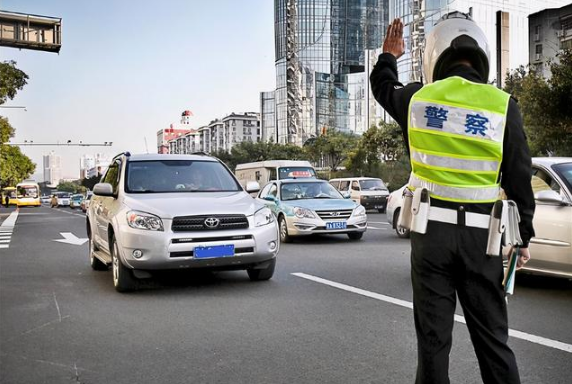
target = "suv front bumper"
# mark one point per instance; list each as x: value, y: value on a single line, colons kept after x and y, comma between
x: 175, y: 250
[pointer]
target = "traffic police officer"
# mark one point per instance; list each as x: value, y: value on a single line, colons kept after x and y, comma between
x: 465, y: 141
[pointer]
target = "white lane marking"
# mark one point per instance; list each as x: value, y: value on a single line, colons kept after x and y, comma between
x: 379, y: 222
x: 380, y: 229
x: 461, y: 319
x: 70, y: 238
x: 7, y: 228
x: 10, y: 221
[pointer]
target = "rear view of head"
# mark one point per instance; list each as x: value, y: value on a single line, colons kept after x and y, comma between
x: 455, y: 38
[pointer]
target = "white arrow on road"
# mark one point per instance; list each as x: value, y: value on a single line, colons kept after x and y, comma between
x: 70, y: 238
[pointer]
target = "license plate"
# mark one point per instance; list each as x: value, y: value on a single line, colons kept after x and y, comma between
x: 214, y: 251
x: 336, y: 225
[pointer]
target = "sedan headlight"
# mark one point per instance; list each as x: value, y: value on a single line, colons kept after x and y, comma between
x: 359, y: 211
x: 303, y: 213
x: 142, y: 220
x: 263, y: 216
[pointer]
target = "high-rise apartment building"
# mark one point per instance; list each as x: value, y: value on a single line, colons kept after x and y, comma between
x: 52, y: 169
x: 504, y: 22
x: 219, y: 134
x: 321, y: 50
x: 550, y: 31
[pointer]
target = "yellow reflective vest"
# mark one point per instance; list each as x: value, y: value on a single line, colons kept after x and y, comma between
x: 456, y: 130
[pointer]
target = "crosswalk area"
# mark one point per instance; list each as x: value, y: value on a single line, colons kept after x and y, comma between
x: 7, y: 229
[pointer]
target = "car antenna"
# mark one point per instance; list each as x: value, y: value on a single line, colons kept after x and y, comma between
x: 146, y: 147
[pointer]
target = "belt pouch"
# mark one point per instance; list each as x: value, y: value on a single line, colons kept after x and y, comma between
x: 404, y: 219
x: 420, y: 210
x: 496, y: 229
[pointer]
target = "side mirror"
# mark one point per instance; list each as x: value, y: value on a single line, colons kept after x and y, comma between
x: 252, y: 187
x: 549, y: 196
x: 103, y: 189
x: 346, y: 194
x: 270, y: 198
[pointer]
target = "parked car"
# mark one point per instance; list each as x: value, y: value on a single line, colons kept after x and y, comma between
x: 551, y: 247
x: 63, y: 199
x: 45, y: 199
x: 157, y: 212
x: 75, y: 200
x: 308, y: 206
x: 85, y: 203
x: 370, y: 192
x: 394, y: 204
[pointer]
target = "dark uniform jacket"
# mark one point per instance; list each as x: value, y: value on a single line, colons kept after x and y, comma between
x: 516, y: 164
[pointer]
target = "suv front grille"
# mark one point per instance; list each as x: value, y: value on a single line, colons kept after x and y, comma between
x: 335, y: 214
x: 201, y: 223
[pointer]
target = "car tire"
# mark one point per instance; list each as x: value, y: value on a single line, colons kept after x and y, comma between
x: 283, y: 228
x: 262, y: 274
x: 96, y: 264
x: 123, y: 279
x: 355, y: 235
x: 401, y: 232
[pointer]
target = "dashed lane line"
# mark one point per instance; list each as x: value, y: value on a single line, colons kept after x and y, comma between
x: 461, y: 319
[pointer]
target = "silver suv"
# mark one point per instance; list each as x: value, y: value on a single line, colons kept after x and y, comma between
x: 152, y: 212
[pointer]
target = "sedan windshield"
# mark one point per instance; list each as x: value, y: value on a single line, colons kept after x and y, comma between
x: 162, y: 176
x: 372, y: 185
x: 299, y: 191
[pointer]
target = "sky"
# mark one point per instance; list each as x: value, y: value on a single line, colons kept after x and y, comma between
x: 128, y: 68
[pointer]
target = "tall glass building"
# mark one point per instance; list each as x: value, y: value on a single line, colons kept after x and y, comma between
x: 505, y: 24
x: 322, y: 52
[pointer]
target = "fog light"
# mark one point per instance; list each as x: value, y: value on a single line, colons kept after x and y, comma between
x: 137, y: 253
x: 272, y: 245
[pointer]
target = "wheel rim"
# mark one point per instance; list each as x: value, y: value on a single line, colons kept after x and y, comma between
x: 115, y: 262
x: 283, y: 229
x: 401, y: 230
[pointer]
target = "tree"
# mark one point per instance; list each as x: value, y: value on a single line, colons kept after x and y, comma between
x: 11, y: 80
x: 332, y: 148
x: 68, y: 186
x: 15, y: 165
x: 545, y: 105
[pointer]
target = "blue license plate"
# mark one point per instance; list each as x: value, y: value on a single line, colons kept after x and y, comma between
x: 214, y: 251
x: 336, y: 225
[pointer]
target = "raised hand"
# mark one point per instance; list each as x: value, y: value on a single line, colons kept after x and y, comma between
x: 394, y: 42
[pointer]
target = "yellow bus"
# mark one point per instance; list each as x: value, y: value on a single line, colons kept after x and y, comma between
x: 28, y: 193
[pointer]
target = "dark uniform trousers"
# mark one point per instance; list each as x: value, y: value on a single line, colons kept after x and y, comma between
x: 447, y: 260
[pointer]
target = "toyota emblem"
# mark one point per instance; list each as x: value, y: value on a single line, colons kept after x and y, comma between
x: 212, y: 222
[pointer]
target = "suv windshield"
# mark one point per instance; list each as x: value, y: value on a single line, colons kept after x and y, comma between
x: 372, y: 185
x: 161, y: 176
x: 298, y: 191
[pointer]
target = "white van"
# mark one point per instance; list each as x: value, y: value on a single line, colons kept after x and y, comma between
x: 264, y: 171
x: 370, y: 192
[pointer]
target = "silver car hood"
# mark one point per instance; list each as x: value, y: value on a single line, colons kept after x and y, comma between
x: 169, y: 205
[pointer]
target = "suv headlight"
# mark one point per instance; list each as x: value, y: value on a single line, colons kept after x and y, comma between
x: 142, y: 220
x: 263, y: 216
x: 303, y: 213
x: 359, y: 211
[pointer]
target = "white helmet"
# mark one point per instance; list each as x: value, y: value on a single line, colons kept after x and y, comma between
x: 455, y: 36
